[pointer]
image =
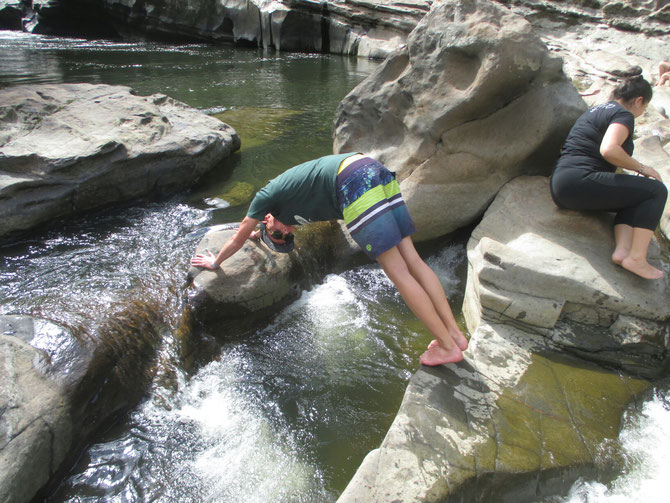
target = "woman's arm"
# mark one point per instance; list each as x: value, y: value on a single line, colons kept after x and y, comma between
x: 229, y: 249
x: 613, y: 152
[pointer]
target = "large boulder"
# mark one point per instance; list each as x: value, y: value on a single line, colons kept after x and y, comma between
x: 515, y: 421
x: 11, y: 14
x: 58, y: 390
x: 68, y: 148
x: 548, y: 271
x: 473, y: 100
x: 253, y: 279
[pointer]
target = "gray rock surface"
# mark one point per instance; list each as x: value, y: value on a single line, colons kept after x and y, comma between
x: 257, y: 279
x: 254, y: 279
x: 370, y: 28
x: 515, y: 421
x: 472, y: 101
x: 548, y: 271
x: 38, y: 360
x: 651, y: 17
x: 56, y: 390
x: 68, y: 148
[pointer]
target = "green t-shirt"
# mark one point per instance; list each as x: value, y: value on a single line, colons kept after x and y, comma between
x: 305, y: 193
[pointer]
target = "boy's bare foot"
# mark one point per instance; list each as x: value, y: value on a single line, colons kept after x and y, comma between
x: 460, y: 340
x: 642, y: 268
x: 437, y: 355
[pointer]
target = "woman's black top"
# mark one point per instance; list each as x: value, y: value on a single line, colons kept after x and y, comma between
x: 582, y: 146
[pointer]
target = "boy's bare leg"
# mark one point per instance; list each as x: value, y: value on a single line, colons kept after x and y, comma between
x: 429, y: 281
x: 419, y: 302
x: 421, y: 305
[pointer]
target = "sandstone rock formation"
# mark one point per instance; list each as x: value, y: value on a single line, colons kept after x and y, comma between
x: 472, y: 101
x: 515, y: 421
x: 647, y: 16
x: 68, y: 148
x: 548, y: 271
x: 369, y: 28
x: 253, y: 279
x: 521, y: 418
x: 56, y: 390
x: 257, y: 279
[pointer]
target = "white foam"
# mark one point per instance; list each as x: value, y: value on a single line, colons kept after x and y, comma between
x: 645, y: 440
x: 238, y: 454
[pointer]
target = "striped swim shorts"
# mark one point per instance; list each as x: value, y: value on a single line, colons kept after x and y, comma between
x: 374, y: 210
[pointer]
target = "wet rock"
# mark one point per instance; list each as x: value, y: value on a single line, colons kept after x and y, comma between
x: 11, y: 14
x: 57, y: 390
x: 254, y: 279
x: 515, y: 421
x: 69, y: 148
x: 35, y: 427
x: 472, y: 101
x: 257, y: 279
x: 548, y: 271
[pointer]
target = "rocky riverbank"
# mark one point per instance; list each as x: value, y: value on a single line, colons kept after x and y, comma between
x: 369, y: 28
x: 474, y: 102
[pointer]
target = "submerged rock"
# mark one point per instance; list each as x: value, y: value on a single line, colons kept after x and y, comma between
x: 473, y: 100
x: 548, y: 271
x: 68, y: 148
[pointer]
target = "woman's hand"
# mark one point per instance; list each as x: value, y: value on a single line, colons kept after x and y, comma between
x: 650, y: 172
x: 206, y: 261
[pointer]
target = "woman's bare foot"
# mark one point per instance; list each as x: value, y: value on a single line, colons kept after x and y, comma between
x: 618, y: 255
x: 642, y: 268
x: 437, y: 355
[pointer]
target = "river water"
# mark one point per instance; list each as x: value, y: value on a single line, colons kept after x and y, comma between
x: 283, y: 409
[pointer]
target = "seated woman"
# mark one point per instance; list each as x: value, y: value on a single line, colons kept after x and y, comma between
x: 584, y: 178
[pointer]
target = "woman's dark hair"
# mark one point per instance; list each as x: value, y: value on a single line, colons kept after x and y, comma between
x: 633, y: 85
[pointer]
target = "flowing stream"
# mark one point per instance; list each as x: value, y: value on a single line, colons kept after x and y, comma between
x: 274, y: 410
x: 283, y: 409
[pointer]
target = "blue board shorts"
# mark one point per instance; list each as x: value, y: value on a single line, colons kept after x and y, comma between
x: 375, y: 212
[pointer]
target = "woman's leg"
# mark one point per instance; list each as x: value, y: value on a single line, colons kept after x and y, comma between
x: 419, y: 301
x: 623, y: 237
x: 637, y: 201
x: 636, y: 260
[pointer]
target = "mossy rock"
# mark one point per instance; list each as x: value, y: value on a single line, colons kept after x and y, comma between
x: 238, y: 193
x: 257, y: 126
